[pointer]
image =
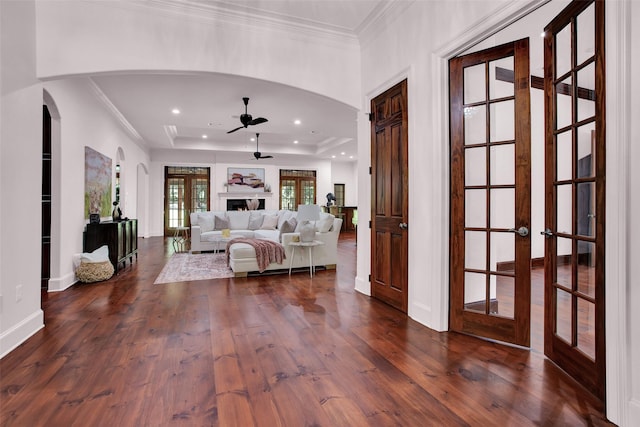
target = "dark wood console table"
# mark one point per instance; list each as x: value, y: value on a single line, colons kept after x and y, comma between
x: 120, y: 236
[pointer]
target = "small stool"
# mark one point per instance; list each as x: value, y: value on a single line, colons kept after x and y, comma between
x: 181, y: 239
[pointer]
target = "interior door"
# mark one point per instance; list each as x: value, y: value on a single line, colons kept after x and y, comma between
x: 389, y: 186
x: 575, y: 193
x: 186, y: 191
x: 491, y: 193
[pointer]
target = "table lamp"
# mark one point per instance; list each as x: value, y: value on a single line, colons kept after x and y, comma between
x: 306, y: 214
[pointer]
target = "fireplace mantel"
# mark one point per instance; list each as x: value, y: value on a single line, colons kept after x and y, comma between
x: 244, y: 195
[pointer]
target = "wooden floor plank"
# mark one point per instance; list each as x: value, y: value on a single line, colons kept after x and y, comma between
x: 272, y: 350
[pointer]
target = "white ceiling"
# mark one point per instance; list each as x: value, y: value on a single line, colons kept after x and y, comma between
x: 210, y: 104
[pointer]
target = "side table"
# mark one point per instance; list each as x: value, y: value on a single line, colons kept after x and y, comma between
x: 181, y: 239
x: 309, y: 246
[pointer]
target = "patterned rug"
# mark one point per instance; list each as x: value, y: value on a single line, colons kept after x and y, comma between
x: 185, y: 267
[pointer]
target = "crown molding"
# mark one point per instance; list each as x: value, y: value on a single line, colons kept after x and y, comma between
x: 117, y: 115
x: 245, y: 18
x: 384, y: 13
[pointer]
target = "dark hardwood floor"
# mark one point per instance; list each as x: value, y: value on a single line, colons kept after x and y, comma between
x: 267, y: 351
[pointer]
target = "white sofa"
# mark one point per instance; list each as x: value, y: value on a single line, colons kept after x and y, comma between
x: 206, y: 233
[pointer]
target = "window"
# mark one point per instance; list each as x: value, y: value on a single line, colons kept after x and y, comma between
x: 297, y: 187
x: 338, y: 191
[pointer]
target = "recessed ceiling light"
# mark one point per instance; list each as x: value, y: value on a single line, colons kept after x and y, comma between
x: 351, y: 157
x: 204, y: 136
x: 333, y: 157
x: 343, y: 153
x: 175, y: 111
x: 295, y: 142
x: 297, y: 122
x: 252, y: 139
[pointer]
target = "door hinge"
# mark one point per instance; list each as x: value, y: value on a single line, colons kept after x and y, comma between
x: 369, y: 224
x: 370, y: 117
x: 369, y: 278
x: 370, y: 170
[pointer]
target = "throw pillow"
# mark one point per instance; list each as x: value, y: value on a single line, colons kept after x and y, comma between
x: 255, y: 220
x: 289, y: 226
x: 99, y: 255
x: 269, y: 222
x: 221, y: 223
x: 324, y: 223
x: 206, y: 222
x: 283, y: 216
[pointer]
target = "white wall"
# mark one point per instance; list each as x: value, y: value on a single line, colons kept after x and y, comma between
x: 20, y: 172
x: 125, y: 36
x: 85, y: 122
x: 345, y: 173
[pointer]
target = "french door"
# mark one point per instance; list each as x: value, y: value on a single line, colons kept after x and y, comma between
x: 297, y: 187
x: 186, y: 191
x: 575, y: 193
x: 491, y: 193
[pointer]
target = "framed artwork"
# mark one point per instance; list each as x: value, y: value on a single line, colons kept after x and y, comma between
x: 97, y: 183
x: 249, y: 180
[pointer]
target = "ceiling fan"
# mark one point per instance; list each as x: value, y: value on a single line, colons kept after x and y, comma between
x: 258, y: 155
x: 246, y: 119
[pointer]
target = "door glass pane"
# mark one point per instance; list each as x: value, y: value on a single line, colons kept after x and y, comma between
x: 503, y: 207
x: 563, y: 103
x: 475, y: 294
x: 474, y: 84
x: 563, y: 262
x: 563, y: 51
x: 308, y: 196
x: 475, y: 125
x: 586, y: 159
x: 503, y: 304
x: 199, y: 195
x: 586, y: 29
x: 563, y: 315
x: 288, y: 194
x: 498, y: 70
x: 586, y: 194
x: 502, y: 121
x: 475, y: 250
x: 587, y: 92
x: 587, y: 327
x: 563, y: 156
x: 563, y: 209
x: 503, y: 251
x: 503, y: 164
x: 176, y: 202
x: 475, y: 208
x: 475, y: 166
x: 586, y: 268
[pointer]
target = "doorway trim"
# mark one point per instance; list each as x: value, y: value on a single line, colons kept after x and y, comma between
x: 620, y: 408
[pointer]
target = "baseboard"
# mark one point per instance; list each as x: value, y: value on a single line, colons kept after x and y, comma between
x: 363, y: 286
x: 62, y: 283
x: 21, y: 332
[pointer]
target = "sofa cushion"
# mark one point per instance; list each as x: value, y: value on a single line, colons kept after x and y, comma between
x: 221, y: 222
x: 238, y: 220
x: 206, y: 221
x: 255, y: 220
x: 242, y: 233
x: 325, y: 222
x: 267, y: 235
x: 269, y: 222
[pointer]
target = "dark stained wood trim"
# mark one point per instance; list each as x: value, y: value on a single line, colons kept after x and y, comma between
x: 506, y: 75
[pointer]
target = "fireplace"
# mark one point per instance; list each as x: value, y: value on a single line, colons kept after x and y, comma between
x: 241, y: 204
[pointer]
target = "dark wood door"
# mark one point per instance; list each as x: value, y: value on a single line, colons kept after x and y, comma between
x: 45, y: 262
x: 389, y: 198
x: 491, y: 194
x: 575, y: 193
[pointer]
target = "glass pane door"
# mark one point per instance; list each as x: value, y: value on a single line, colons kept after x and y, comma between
x: 490, y: 266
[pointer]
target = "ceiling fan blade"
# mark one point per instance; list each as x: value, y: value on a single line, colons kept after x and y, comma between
x: 257, y: 121
x: 233, y: 130
x: 266, y: 157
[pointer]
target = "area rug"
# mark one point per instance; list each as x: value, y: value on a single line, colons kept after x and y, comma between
x: 185, y: 267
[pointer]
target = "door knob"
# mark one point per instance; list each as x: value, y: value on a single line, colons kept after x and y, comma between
x: 404, y: 225
x: 522, y: 231
x: 547, y: 233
